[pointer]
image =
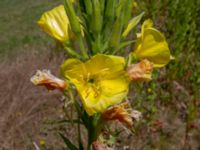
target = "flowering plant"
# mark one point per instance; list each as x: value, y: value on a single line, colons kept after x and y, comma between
x: 101, y: 69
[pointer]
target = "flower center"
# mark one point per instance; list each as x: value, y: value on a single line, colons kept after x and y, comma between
x: 91, y: 80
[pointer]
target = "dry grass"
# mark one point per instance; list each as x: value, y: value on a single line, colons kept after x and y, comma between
x: 24, y: 107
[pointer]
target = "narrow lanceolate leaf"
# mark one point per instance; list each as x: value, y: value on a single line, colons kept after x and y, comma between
x: 133, y: 22
x: 68, y: 142
x: 125, y: 44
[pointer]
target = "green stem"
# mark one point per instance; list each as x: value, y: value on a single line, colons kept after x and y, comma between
x: 81, y: 44
x: 72, y: 52
x: 129, y: 60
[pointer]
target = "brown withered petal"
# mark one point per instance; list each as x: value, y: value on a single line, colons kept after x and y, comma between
x: 45, y: 78
x: 136, y: 115
x: 118, y: 113
x: 96, y: 145
x: 141, y: 71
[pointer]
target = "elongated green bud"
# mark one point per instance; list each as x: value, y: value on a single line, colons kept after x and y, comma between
x: 116, y: 34
x: 132, y: 23
x: 110, y: 9
x: 120, y: 8
x: 127, y: 11
x: 88, y: 7
x: 97, y: 20
x: 73, y: 19
x: 102, y: 3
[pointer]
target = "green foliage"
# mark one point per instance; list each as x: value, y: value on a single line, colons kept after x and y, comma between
x: 68, y: 142
x: 179, y: 83
x: 178, y: 19
x: 18, y: 25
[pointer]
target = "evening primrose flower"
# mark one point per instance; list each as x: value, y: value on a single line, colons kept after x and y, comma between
x: 45, y: 78
x: 152, y: 45
x: 56, y: 23
x: 100, y: 81
x: 141, y: 71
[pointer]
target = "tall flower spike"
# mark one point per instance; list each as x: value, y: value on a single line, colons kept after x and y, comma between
x: 152, y: 45
x: 100, y: 81
x: 45, y: 78
x: 56, y: 23
x: 141, y: 71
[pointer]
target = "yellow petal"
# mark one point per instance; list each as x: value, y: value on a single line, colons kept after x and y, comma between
x: 74, y: 70
x: 106, y: 65
x: 55, y: 22
x: 147, y: 24
x: 153, y: 46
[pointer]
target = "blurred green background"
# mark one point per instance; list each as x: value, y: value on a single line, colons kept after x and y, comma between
x: 18, y: 24
x: 170, y: 102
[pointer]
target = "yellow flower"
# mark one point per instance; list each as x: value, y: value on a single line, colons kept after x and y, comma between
x: 100, y: 81
x: 152, y: 45
x: 55, y: 22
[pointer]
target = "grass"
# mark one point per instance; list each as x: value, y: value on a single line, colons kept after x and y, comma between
x: 170, y: 104
x: 18, y: 24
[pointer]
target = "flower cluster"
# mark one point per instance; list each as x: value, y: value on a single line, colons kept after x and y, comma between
x: 100, y: 76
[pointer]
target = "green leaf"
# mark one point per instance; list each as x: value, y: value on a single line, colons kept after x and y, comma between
x: 68, y: 142
x: 132, y: 23
x: 125, y: 43
x: 64, y: 121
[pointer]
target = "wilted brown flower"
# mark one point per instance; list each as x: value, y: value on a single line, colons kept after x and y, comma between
x: 136, y: 115
x: 118, y: 113
x: 141, y: 71
x: 96, y: 145
x: 45, y: 78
